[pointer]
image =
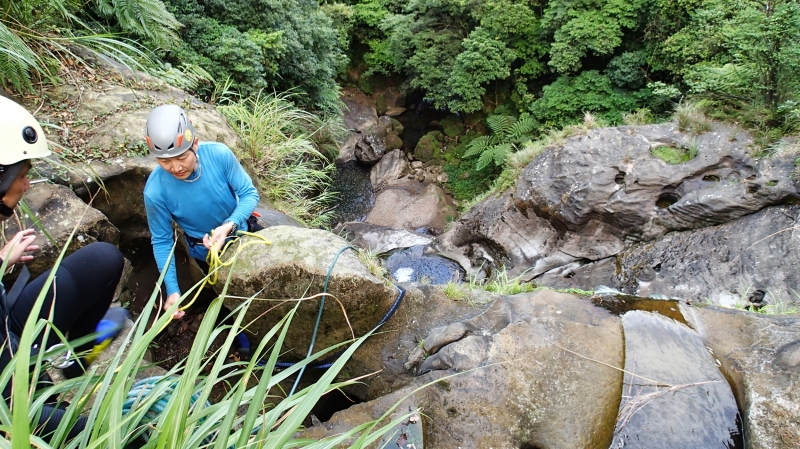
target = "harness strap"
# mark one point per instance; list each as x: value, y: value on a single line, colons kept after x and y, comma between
x: 15, y: 291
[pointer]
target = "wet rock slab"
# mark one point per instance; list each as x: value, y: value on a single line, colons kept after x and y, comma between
x: 673, y: 395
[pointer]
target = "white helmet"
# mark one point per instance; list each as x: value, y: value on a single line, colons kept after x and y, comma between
x: 168, y: 131
x: 21, y: 136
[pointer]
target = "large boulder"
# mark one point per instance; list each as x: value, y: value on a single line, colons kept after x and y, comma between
x: 761, y: 356
x: 611, y: 179
x: 429, y: 146
x: 598, y: 195
x: 516, y: 386
x: 360, y: 116
x: 369, y: 149
x: 59, y: 211
x: 294, y: 266
x: 391, y: 167
x: 409, y: 204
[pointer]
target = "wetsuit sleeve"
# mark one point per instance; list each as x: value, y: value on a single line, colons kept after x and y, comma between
x: 242, y: 186
x: 159, y: 221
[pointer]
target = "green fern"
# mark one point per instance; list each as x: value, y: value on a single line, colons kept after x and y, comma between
x: 145, y: 18
x: 507, y: 133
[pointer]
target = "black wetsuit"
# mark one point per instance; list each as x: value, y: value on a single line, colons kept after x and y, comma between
x: 84, y: 285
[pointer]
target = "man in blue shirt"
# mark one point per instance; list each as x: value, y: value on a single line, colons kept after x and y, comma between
x: 200, y: 186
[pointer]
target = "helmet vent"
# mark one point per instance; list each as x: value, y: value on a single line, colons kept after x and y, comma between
x: 29, y: 135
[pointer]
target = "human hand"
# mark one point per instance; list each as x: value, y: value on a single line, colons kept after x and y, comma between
x: 172, y: 299
x: 218, y: 236
x: 15, y: 249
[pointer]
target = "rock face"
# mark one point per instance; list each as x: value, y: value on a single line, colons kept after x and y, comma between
x: 369, y: 149
x: 528, y: 392
x: 294, y: 266
x: 390, y: 168
x: 761, y: 356
x: 584, y: 212
x: 609, y: 179
x: 409, y: 204
x: 59, y: 211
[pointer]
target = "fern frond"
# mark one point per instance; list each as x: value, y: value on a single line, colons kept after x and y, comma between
x: 146, y: 18
x: 477, y: 146
x: 501, y: 124
x: 499, y: 153
x: 486, y: 158
x: 523, y: 127
x: 17, y: 60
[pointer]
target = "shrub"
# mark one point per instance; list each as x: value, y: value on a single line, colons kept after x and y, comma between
x: 286, y: 146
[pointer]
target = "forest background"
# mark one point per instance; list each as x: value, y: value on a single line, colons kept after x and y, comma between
x: 541, y: 64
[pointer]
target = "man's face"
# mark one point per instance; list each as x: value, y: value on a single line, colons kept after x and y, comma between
x: 181, y: 166
x: 20, y: 185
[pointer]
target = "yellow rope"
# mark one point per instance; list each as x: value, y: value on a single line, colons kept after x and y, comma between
x: 214, y: 261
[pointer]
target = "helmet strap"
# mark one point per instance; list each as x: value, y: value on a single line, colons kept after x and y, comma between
x: 5, y: 210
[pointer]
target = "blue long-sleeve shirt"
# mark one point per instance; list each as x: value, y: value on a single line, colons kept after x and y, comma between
x: 218, y: 191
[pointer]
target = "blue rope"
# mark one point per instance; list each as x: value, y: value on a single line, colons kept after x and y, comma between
x: 319, y: 316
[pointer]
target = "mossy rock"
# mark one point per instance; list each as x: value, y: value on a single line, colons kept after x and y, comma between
x: 397, y: 127
x: 393, y: 142
x: 380, y: 104
x: 452, y: 126
x: 429, y: 146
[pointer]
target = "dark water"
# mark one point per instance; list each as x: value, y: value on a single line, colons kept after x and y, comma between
x: 417, y: 121
x: 673, y: 394
x: 413, y: 265
x: 620, y: 304
x: 355, y: 197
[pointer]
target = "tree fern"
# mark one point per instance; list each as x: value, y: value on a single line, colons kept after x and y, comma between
x: 145, y: 18
x: 507, y: 132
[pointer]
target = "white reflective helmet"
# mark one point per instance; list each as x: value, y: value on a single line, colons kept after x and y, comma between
x: 168, y: 131
x: 21, y: 136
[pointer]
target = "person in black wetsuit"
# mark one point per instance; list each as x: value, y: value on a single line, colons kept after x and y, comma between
x: 84, y: 283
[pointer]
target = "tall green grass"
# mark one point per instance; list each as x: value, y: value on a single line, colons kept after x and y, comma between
x: 292, y: 151
x: 242, y: 418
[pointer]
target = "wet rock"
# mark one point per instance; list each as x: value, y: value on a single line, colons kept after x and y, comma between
x: 393, y: 142
x: 674, y: 395
x: 294, y: 266
x: 369, y: 149
x: 360, y: 116
x: 752, y: 257
x: 381, y: 239
x: 452, y: 126
x: 526, y: 391
x: 388, y: 169
x: 409, y: 204
x: 397, y: 127
x: 386, y: 122
x: 758, y: 353
x: 429, y: 146
x: 59, y: 211
x: 354, y: 191
x: 394, y: 111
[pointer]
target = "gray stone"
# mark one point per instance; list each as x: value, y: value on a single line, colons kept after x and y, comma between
x: 381, y: 239
x: 386, y: 122
x: 753, y: 350
x: 395, y: 111
x: 294, y: 266
x: 391, y: 167
x: 409, y: 204
x: 369, y: 149
x: 60, y: 212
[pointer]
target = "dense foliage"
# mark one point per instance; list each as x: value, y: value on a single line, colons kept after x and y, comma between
x: 559, y: 59
x: 257, y: 44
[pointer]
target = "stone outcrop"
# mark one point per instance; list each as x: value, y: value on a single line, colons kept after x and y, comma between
x: 380, y: 239
x: 369, y: 149
x: 391, y: 167
x: 409, y: 204
x: 515, y: 387
x: 604, y: 195
x: 294, y: 266
x: 59, y: 211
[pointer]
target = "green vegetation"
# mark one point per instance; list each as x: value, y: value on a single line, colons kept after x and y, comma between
x: 289, y: 150
x: 506, y: 133
x: 254, y: 412
x: 675, y: 155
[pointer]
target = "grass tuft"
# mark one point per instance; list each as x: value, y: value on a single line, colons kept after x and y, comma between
x: 691, y: 117
x: 292, y: 153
